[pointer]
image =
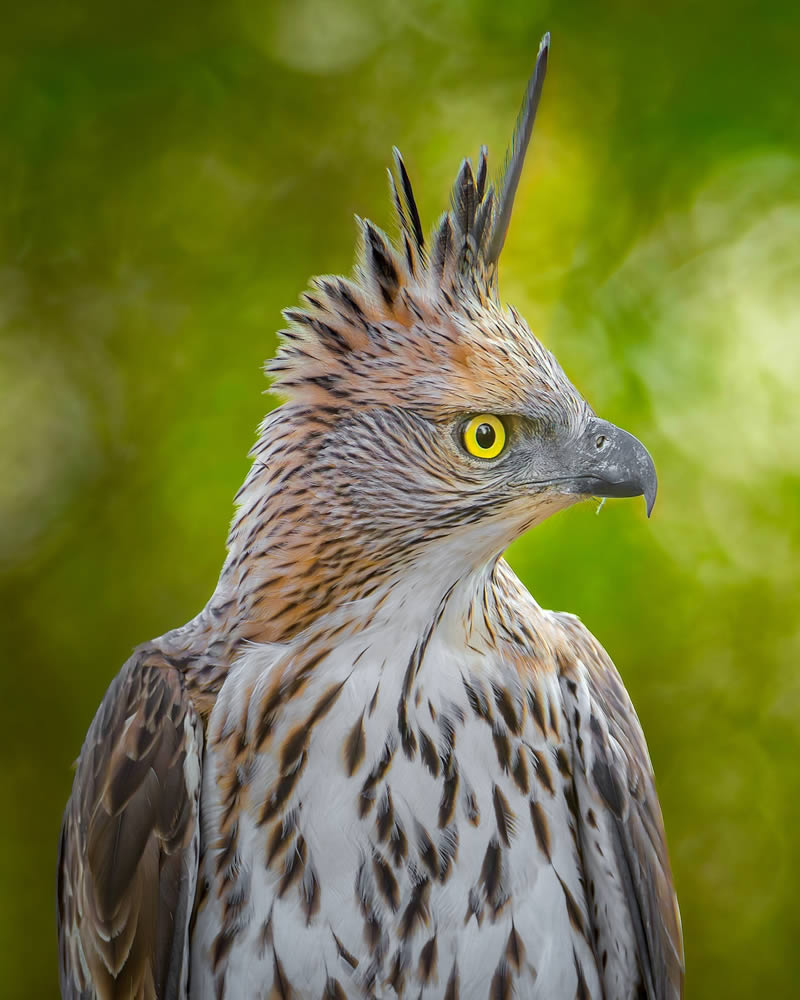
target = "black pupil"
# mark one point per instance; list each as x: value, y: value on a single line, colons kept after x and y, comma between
x: 485, y: 436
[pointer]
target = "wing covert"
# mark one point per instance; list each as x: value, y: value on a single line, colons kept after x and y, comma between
x: 619, y: 815
x: 128, y: 851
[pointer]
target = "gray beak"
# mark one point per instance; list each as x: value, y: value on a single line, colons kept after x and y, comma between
x: 607, y: 461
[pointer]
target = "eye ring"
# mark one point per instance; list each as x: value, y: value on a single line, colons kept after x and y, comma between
x: 484, y: 436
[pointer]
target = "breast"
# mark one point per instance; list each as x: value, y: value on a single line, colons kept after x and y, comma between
x: 380, y: 825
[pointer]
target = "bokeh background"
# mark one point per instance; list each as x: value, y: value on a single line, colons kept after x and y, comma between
x: 170, y: 176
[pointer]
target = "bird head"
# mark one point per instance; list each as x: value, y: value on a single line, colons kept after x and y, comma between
x: 424, y: 422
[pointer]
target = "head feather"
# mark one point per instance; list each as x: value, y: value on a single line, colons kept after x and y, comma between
x: 410, y: 296
x: 516, y: 155
x: 467, y: 241
x: 412, y: 224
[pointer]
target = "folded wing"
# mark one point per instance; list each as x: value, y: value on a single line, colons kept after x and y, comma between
x: 621, y: 832
x: 128, y: 853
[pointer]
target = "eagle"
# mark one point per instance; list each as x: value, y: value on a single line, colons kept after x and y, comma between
x: 372, y: 766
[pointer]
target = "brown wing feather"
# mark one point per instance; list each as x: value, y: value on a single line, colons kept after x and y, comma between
x: 128, y: 853
x: 617, y: 776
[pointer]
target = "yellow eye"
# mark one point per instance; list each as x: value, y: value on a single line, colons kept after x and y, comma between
x: 485, y: 436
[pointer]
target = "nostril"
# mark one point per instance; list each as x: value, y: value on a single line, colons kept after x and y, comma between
x: 600, y: 442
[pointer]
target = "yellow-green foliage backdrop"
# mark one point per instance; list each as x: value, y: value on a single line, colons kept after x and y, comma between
x: 170, y: 176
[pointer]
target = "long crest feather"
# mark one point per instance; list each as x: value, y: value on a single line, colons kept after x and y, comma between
x: 465, y: 245
x: 515, y: 158
x: 412, y: 220
x: 460, y: 257
x: 483, y: 167
x: 464, y: 198
x: 442, y: 246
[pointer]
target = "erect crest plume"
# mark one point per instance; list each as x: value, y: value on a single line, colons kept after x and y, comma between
x: 469, y: 238
x: 342, y: 326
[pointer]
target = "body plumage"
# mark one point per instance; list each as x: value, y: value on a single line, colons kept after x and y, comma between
x: 373, y: 766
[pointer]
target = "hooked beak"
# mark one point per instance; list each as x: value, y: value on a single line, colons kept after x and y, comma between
x: 607, y: 461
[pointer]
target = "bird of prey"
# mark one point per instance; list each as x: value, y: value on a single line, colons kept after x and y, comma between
x: 373, y: 766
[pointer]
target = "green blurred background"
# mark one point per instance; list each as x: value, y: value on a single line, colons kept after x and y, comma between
x: 171, y: 175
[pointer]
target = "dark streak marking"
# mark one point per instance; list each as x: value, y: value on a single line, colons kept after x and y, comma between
x: 384, y: 817
x: 385, y: 881
x: 281, y: 791
x: 295, y: 863
x: 348, y: 956
x: 519, y: 771
x: 478, y: 701
x: 502, y: 698
x: 407, y: 737
x: 428, y: 854
x: 310, y: 894
x: 502, y: 747
x: 562, y: 763
x: 515, y: 949
x: 540, y: 828
x: 397, y: 976
x: 282, y: 833
x: 542, y: 770
x: 333, y: 990
x: 491, y: 868
x: 222, y: 945
x: 582, y: 990
x: 474, y: 907
x: 452, y: 991
x: 378, y: 771
x: 500, y: 988
x: 354, y: 746
x: 374, y: 700
x: 573, y: 910
x: 427, y: 960
x: 536, y: 710
x: 504, y: 816
x: 398, y: 845
x: 447, y: 803
x: 471, y: 809
x: 554, y: 721
x: 428, y: 753
x: 416, y: 912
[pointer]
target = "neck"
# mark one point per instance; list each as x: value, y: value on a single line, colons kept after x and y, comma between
x: 479, y: 603
x: 293, y: 565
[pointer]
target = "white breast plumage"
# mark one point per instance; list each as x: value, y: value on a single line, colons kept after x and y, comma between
x: 395, y: 823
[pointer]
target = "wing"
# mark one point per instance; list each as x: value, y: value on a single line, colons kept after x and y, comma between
x: 624, y: 852
x: 128, y: 853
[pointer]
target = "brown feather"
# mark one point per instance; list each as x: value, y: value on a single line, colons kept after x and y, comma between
x: 127, y: 864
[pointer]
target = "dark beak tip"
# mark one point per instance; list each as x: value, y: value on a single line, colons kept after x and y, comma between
x: 650, y: 487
